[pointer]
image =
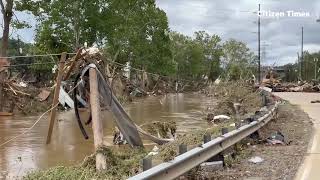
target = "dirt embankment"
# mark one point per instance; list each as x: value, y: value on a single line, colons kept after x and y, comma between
x: 280, y: 161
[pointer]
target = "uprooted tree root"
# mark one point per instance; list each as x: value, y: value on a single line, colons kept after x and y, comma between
x: 120, y: 165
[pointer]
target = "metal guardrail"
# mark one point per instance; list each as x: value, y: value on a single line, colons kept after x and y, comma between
x: 185, y: 162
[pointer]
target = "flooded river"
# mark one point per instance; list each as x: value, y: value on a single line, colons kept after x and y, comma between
x: 68, y: 146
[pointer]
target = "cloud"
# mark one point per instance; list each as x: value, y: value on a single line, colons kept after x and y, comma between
x: 238, y: 19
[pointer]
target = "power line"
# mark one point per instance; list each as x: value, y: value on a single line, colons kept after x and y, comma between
x: 30, y: 64
x: 35, y: 55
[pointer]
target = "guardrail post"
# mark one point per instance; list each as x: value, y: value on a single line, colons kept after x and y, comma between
x: 224, y: 131
x: 146, y: 164
x: 238, y: 125
x: 206, y: 138
x: 220, y: 156
x: 182, y: 148
x: 264, y: 98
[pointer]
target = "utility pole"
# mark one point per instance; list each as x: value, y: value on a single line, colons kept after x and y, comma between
x: 259, y: 57
x: 19, y: 45
x: 301, y: 61
x: 315, y: 68
x: 299, y: 67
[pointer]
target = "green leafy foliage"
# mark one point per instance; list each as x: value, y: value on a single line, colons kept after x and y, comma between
x: 133, y: 30
x: 238, y: 61
x: 197, y: 57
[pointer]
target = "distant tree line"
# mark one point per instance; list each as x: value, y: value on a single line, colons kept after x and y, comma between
x: 135, y: 31
x: 308, y: 70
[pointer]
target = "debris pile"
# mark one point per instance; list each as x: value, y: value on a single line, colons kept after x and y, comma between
x: 161, y: 129
x: 292, y: 87
x: 25, y: 98
x: 236, y: 98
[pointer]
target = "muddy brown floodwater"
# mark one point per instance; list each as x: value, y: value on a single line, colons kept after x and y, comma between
x: 68, y: 146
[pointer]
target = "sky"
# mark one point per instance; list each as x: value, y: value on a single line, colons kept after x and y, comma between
x: 280, y: 36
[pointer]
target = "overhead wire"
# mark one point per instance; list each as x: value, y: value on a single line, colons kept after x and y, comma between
x: 29, y: 64
x: 35, y: 55
x: 30, y: 56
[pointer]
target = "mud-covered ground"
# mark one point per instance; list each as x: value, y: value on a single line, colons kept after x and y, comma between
x: 280, y: 161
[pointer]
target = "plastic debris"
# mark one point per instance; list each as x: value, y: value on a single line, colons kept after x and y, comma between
x: 266, y: 89
x: 118, y: 138
x: 217, y: 81
x: 233, y: 125
x: 276, y: 138
x: 221, y: 117
x: 256, y: 160
x: 264, y: 109
x: 23, y: 84
x: 155, y: 151
x: 315, y: 101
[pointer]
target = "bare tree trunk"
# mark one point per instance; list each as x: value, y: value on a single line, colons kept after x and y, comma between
x: 76, y: 26
x: 7, y: 16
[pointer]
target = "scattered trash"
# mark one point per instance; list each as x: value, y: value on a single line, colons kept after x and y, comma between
x: 264, y: 109
x: 43, y: 95
x: 233, y: 125
x: 118, y: 138
x: 54, y: 69
x: 65, y: 99
x: 154, y: 151
x: 22, y: 84
x: 221, y: 117
x: 216, y: 119
x: 256, y: 160
x: 276, y: 138
x: 315, y: 101
x: 266, y: 89
x: 217, y: 81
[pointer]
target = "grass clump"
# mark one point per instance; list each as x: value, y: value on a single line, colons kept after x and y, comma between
x: 120, y: 165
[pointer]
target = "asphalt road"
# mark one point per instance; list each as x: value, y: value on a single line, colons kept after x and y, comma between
x: 309, y: 170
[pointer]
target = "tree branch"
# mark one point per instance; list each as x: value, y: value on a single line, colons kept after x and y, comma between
x: 2, y: 6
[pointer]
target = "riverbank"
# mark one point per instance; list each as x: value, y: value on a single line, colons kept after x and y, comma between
x: 192, y: 137
x: 68, y: 147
